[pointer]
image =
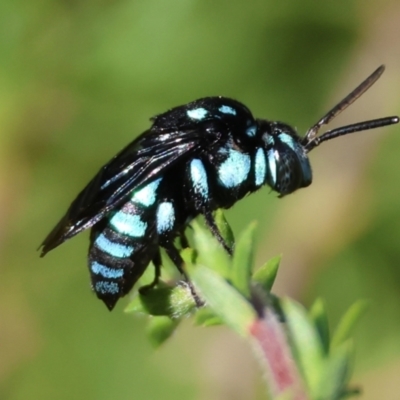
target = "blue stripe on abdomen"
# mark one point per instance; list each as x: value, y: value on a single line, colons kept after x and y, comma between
x: 112, y: 248
x: 128, y: 224
x: 106, y: 272
x: 147, y: 195
x: 105, y: 287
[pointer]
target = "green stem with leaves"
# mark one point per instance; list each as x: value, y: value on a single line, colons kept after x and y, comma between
x: 293, y: 345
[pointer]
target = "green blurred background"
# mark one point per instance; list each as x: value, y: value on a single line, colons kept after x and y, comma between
x: 80, y: 79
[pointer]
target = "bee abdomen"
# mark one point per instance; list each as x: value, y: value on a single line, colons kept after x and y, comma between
x: 120, y: 252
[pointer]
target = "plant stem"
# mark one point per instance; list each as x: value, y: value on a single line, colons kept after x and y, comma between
x: 274, y: 352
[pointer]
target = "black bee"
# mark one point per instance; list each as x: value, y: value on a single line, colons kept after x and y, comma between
x: 195, y: 158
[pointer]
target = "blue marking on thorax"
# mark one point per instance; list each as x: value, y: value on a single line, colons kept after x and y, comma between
x: 272, y: 165
x: 147, y: 195
x: 251, y: 130
x: 235, y: 169
x: 128, y: 224
x: 104, y: 287
x: 112, y: 248
x: 198, y: 176
x: 197, y: 113
x: 260, y: 167
x: 165, y: 217
x: 106, y: 272
x: 287, y: 139
x: 227, y: 110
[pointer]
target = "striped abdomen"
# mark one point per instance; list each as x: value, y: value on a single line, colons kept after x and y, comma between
x: 122, y: 246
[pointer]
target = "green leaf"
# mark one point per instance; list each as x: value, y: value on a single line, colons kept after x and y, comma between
x: 306, y: 343
x: 159, y: 329
x: 266, y: 275
x: 156, y: 301
x: 243, y: 261
x: 223, y: 299
x: 189, y: 255
x: 135, y: 305
x: 182, y: 303
x: 348, y: 322
x: 318, y: 315
x: 224, y: 228
x: 206, y: 317
x: 164, y: 300
x: 210, y: 252
x: 335, y: 374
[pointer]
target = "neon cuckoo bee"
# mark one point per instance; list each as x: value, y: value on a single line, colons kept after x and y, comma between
x: 194, y: 159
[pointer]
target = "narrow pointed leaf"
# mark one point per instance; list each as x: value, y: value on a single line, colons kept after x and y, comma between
x: 210, y: 252
x: 206, y: 317
x: 305, y: 340
x: 243, y: 261
x: 224, y: 228
x: 318, y: 315
x: 159, y: 329
x: 189, y: 255
x: 266, y: 275
x: 348, y: 322
x: 335, y: 374
x: 135, y: 305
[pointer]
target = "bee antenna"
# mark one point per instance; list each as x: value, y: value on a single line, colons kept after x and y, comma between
x: 344, y: 130
x: 311, y: 140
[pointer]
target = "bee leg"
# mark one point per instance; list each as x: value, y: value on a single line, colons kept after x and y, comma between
x: 210, y: 222
x: 157, y: 268
x: 157, y: 273
x: 184, y: 240
x: 176, y: 258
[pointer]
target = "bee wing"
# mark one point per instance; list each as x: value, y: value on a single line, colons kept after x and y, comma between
x: 142, y: 161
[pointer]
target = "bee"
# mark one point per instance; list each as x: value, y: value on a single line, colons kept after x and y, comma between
x: 194, y: 159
